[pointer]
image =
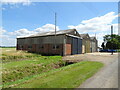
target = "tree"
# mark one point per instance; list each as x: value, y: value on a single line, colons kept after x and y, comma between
x: 103, y: 46
x: 112, y: 41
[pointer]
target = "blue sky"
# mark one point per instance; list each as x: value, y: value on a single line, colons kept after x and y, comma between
x: 19, y: 19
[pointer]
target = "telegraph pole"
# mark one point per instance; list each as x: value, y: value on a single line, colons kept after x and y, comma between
x: 112, y: 38
x: 55, y: 29
x: 111, y: 29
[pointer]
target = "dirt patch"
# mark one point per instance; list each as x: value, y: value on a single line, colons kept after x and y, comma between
x: 105, y: 58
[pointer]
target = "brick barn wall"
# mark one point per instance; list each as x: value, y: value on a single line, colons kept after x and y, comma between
x: 33, y: 47
x: 50, y: 50
x: 68, y: 49
x: 47, y: 49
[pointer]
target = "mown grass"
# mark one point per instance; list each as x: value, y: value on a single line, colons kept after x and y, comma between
x: 66, y: 77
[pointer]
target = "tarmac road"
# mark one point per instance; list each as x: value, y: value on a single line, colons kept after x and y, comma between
x: 107, y: 77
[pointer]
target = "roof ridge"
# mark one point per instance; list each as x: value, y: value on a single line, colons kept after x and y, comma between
x: 52, y: 32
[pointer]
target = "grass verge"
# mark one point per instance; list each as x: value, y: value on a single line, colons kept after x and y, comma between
x: 22, y: 69
x: 70, y: 76
x: 13, y: 71
x: 20, y: 64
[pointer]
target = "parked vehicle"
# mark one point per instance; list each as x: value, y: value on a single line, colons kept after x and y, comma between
x: 108, y: 50
x: 103, y: 50
x: 112, y: 50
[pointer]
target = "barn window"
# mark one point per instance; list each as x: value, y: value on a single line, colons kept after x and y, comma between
x: 56, y: 46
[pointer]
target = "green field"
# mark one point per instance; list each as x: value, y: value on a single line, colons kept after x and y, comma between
x: 21, y: 69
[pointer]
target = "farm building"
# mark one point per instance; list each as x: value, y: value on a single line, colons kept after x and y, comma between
x: 93, y: 44
x: 85, y: 43
x: 65, y: 42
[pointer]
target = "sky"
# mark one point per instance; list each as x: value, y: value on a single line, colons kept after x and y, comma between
x: 27, y: 18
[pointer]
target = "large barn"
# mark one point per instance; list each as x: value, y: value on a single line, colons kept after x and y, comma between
x: 65, y: 42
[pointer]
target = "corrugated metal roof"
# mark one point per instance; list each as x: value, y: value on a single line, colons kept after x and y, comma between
x: 73, y: 36
x: 52, y: 33
x: 84, y: 35
x: 93, y: 38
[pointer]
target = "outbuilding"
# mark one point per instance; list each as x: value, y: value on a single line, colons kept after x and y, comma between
x: 94, y: 44
x: 85, y: 43
x: 64, y: 42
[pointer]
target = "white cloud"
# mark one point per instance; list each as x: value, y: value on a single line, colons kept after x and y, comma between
x: 5, y: 39
x: 9, y: 38
x: 46, y: 28
x: 100, y: 25
x: 106, y: 19
x: 2, y: 30
x: 26, y: 32
x: 22, y: 32
x: 96, y: 24
x: 13, y: 2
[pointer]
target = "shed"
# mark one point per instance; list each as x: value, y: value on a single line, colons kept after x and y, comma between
x: 65, y: 42
x: 85, y: 43
x: 94, y: 44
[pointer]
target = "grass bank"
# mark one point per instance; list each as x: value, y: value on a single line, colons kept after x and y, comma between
x: 27, y: 70
x: 70, y: 76
x: 19, y: 64
x: 13, y: 71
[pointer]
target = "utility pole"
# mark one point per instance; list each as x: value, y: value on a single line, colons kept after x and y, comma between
x: 55, y: 29
x: 111, y: 29
x: 112, y: 38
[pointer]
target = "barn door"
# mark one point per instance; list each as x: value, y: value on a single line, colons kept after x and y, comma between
x: 74, y: 46
x: 79, y: 46
x: 83, y: 48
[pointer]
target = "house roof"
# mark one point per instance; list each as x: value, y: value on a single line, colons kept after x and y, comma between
x: 51, y: 33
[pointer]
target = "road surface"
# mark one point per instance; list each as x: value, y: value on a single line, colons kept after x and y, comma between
x: 107, y: 77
